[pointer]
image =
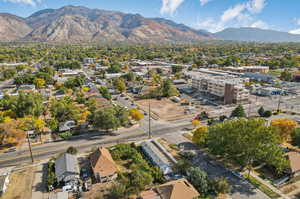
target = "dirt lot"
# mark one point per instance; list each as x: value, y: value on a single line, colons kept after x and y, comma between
x: 165, y: 109
x: 97, y: 191
x: 20, y: 184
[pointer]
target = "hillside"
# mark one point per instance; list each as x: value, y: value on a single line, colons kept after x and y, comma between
x: 256, y: 35
x: 71, y: 24
x: 12, y: 28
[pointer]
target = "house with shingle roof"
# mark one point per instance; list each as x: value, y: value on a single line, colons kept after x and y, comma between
x: 294, y: 159
x: 103, y: 166
x: 176, y: 189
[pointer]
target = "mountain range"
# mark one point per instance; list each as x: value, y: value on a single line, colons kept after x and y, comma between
x: 256, y: 35
x: 81, y: 24
x: 75, y: 24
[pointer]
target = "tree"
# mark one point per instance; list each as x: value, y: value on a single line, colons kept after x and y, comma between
x: 261, y: 111
x: 10, y: 134
x: 115, y: 68
x: 72, y: 150
x: 74, y: 82
x: 222, y: 118
x: 198, y: 179
x: 285, y: 127
x: 246, y: 141
x: 167, y: 89
x: 196, y: 123
x: 183, y: 166
x: 296, y: 137
x: 200, y: 135
x: 268, y: 113
x: 220, y: 185
x: 139, y: 179
x: 9, y: 73
x: 122, y: 115
x: 286, y: 75
x: 238, y: 111
x: 29, y: 123
x: 64, y: 109
x: 120, y: 85
x: 105, y: 93
x: 53, y: 124
x: 106, y: 119
x: 39, y: 82
x: 136, y: 114
x: 129, y: 76
x: 24, y: 104
x: 117, y: 191
x: 176, y: 69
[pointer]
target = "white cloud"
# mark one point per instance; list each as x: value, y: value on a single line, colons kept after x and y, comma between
x: 259, y: 24
x: 256, y: 6
x: 170, y: 6
x: 28, y: 2
x: 233, y: 12
x: 211, y: 25
x: 296, y: 31
x: 239, y: 15
x: 204, y: 2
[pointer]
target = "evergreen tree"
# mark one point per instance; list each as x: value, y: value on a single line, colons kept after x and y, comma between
x: 239, y: 111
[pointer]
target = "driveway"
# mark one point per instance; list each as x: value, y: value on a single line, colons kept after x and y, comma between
x: 39, y: 183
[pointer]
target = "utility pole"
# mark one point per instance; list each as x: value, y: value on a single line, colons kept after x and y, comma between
x: 149, y: 120
x: 279, y: 102
x: 249, y: 108
x: 30, y: 148
x: 149, y: 135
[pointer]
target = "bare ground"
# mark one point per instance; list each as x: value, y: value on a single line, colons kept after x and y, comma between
x: 20, y: 184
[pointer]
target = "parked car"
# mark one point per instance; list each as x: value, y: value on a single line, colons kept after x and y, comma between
x: 10, y: 150
x: 84, y: 173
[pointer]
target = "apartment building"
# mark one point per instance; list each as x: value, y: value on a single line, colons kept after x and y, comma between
x: 230, y: 89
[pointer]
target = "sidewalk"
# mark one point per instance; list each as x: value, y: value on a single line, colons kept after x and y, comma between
x: 269, y: 186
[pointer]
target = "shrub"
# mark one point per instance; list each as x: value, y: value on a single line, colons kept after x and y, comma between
x: 51, y: 178
x: 65, y: 135
x: 72, y: 150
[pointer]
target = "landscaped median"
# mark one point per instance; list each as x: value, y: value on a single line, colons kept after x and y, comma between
x: 261, y: 186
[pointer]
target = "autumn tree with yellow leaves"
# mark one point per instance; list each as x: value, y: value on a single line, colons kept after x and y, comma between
x: 285, y: 127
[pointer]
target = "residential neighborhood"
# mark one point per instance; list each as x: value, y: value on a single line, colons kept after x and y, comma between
x: 98, y: 104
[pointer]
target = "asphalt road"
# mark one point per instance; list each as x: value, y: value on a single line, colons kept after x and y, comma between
x: 86, y: 142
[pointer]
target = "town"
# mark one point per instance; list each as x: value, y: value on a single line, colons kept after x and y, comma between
x: 95, y: 122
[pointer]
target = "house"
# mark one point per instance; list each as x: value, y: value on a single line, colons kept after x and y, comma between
x: 294, y: 159
x: 66, y: 168
x: 4, y: 179
x: 103, y: 166
x: 89, y: 60
x: 66, y: 126
x: 177, y: 189
x: 27, y: 88
x: 158, y: 156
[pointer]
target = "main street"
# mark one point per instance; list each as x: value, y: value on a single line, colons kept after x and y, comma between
x: 87, y: 141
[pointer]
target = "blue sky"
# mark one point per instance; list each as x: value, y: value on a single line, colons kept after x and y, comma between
x: 212, y: 15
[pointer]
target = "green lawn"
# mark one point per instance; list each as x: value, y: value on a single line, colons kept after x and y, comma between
x: 275, y: 73
x: 262, y: 187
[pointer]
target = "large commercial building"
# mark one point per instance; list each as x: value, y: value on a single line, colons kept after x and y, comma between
x: 244, y: 69
x: 260, y: 77
x: 230, y: 89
